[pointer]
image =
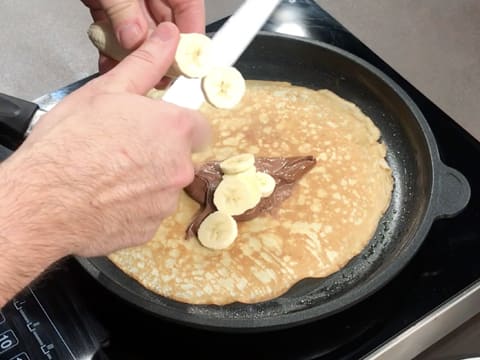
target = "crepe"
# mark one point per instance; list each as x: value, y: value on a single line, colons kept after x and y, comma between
x: 330, y: 217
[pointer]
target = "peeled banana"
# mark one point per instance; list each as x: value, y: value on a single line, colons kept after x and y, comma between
x: 223, y: 87
x: 155, y: 94
x: 101, y: 35
x: 193, y: 58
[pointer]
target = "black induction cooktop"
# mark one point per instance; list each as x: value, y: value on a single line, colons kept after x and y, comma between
x: 66, y: 314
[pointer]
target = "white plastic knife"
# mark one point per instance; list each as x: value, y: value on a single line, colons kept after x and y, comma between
x: 230, y: 41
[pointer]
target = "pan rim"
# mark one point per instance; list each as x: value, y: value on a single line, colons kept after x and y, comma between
x: 348, y: 299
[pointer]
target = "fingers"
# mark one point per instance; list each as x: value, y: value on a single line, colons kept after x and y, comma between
x: 144, y: 68
x: 185, y: 126
x: 127, y: 19
x: 201, y: 132
x: 192, y: 124
x: 159, y: 11
x: 189, y: 15
x: 164, y: 83
x: 105, y: 64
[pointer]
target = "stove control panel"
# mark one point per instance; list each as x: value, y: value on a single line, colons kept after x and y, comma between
x: 45, y: 323
x: 28, y: 332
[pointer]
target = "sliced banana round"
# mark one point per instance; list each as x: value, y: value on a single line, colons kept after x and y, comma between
x: 238, y: 163
x: 234, y: 195
x: 266, y: 183
x: 194, y: 57
x: 224, y: 87
x: 218, y: 231
x: 249, y: 175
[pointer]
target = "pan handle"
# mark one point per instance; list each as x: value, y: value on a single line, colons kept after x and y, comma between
x: 15, y: 117
x: 452, y: 192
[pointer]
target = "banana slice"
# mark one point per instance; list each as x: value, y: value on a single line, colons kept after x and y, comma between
x: 194, y: 57
x: 249, y: 175
x: 235, y: 195
x: 266, y: 183
x: 224, y: 87
x: 238, y: 163
x: 218, y: 231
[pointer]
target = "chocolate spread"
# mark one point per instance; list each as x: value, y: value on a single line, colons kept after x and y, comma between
x: 285, y: 171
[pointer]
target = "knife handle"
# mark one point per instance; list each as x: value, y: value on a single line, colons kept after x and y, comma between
x: 15, y: 117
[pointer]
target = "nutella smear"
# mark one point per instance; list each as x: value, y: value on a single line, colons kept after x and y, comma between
x: 285, y: 171
x: 307, y: 230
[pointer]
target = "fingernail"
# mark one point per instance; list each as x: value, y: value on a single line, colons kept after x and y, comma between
x: 165, y: 32
x: 130, y: 35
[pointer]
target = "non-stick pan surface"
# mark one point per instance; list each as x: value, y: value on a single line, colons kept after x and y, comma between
x: 425, y: 189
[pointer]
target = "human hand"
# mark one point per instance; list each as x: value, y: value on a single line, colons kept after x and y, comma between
x: 106, y: 165
x: 132, y: 19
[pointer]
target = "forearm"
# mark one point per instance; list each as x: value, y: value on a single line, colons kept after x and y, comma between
x: 25, y: 248
x: 19, y: 265
x: 70, y: 189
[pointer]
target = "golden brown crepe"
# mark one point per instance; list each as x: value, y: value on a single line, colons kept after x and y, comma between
x: 329, y: 218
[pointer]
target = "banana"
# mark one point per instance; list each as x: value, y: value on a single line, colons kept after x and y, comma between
x: 266, y: 183
x: 224, y: 87
x: 101, y: 35
x: 235, y: 195
x: 248, y: 175
x: 194, y: 56
x: 218, y: 231
x: 238, y: 164
x: 155, y: 94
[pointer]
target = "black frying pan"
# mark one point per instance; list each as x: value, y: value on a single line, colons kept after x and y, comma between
x: 425, y: 189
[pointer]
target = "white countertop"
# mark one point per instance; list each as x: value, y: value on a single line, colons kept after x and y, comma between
x: 435, y: 44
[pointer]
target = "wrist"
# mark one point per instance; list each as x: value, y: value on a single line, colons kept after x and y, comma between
x: 25, y: 242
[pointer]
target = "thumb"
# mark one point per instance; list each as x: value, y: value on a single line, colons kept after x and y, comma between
x: 144, y: 68
x: 127, y: 20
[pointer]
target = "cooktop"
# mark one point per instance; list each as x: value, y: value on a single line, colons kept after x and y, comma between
x: 66, y: 314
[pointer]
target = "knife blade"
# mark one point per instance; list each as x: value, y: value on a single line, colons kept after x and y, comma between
x: 229, y: 42
x: 18, y: 117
